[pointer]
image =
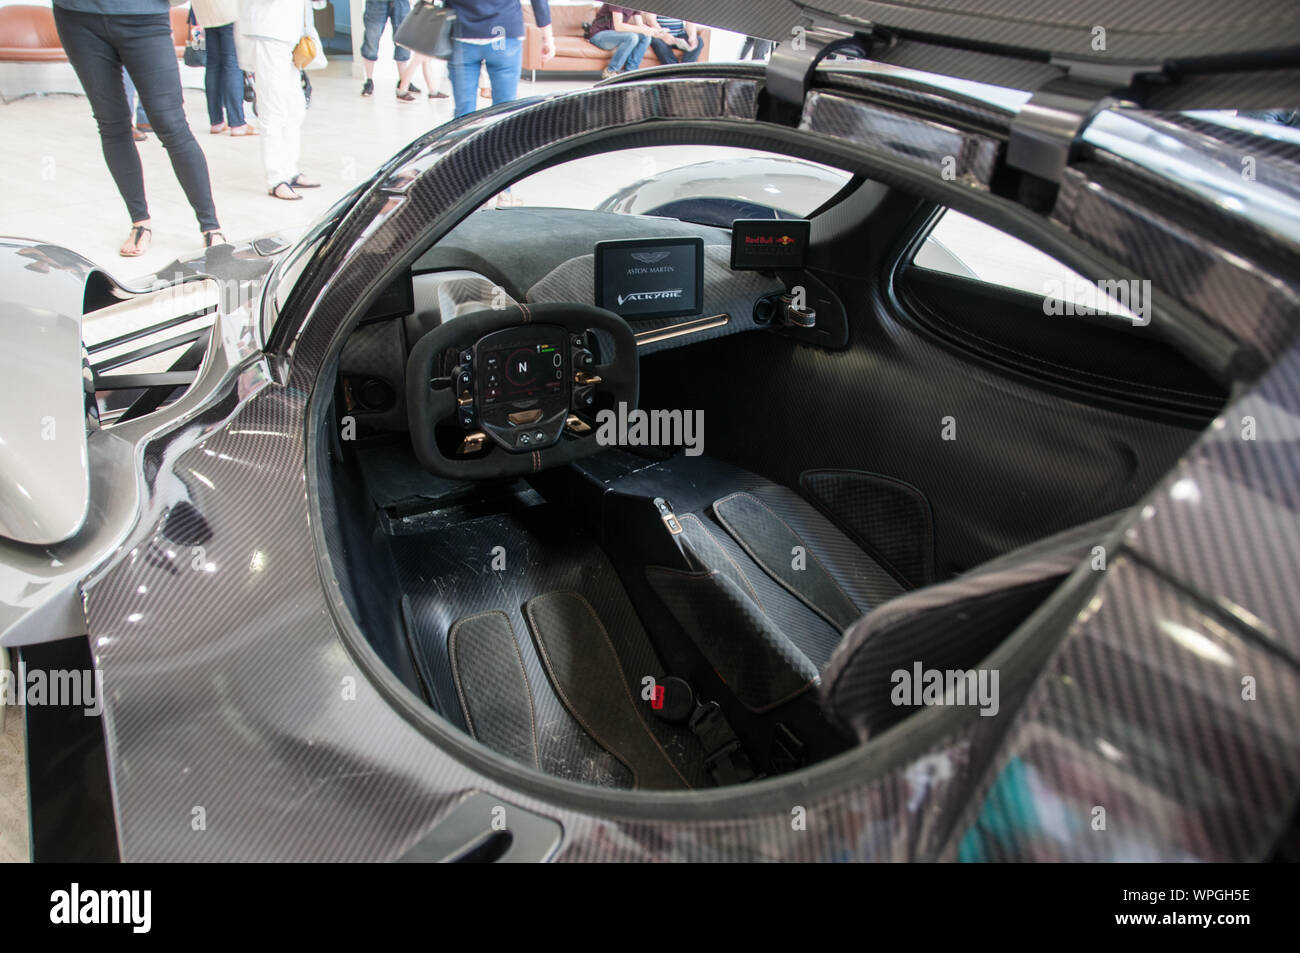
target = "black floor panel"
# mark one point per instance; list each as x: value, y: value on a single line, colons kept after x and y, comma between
x: 500, y: 561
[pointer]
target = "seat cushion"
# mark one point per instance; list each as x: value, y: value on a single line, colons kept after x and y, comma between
x: 950, y: 626
x: 776, y: 580
x: 576, y: 46
x: 28, y: 35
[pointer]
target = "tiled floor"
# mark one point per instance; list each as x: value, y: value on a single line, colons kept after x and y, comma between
x: 13, y: 790
x: 56, y: 187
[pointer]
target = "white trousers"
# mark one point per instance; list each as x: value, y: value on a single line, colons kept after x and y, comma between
x: 281, y: 108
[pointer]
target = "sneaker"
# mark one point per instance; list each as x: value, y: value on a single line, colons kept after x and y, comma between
x: 406, y: 97
x: 608, y: 73
x: 412, y: 88
x: 369, y: 88
x: 438, y: 95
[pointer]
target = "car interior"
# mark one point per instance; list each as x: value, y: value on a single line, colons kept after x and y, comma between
x: 654, y: 484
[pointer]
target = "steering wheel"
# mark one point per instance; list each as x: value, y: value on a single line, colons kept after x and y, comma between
x: 523, y: 380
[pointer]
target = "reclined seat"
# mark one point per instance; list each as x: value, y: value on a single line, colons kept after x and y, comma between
x: 952, y: 625
x: 781, y: 599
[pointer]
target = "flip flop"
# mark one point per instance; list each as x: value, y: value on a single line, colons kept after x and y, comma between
x: 139, y: 245
x: 297, y: 183
x: 274, y: 192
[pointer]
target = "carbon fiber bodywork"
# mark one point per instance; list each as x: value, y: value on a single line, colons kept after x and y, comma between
x: 235, y: 684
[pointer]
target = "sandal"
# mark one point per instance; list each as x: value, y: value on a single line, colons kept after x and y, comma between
x: 298, y: 182
x: 219, y: 128
x: 137, y: 135
x: 214, y: 237
x: 276, y: 193
x: 136, y: 243
x: 245, y: 130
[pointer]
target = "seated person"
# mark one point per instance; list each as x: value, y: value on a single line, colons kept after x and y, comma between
x: 622, y: 31
x: 682, y: 35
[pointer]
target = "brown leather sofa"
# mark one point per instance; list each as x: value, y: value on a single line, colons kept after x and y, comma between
x: 27, y: 34
x: 572, y: 51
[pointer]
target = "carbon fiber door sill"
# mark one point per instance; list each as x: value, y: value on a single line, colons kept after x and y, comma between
x: 485, y: 829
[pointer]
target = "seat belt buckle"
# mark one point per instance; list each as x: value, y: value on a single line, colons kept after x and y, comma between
x: 724, y: 758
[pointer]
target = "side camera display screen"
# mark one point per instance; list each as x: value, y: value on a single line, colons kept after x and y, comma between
x: 652, y: 278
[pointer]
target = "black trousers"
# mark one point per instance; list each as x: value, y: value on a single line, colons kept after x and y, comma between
x: 98, y: 46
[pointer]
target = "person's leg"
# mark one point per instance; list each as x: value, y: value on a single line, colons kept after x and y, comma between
x: 145, y: 45
x: 462, y: 70
x: 503, y: 67
x: 398, y: 11
x: 99, y: 69
x: 129, y: 87
x: 619, y: 43
x: 229, y: 82
x: 693, y: 56
x: 406, y: 71
x: 638, y: 51
x: 373, y: 19
x: 212, y: 85
x: 232, y: 77
x: 663, y: 52
x: 280, y: 107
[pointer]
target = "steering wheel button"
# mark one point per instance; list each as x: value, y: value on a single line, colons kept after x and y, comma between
x: 539, y: 436
x: 525, y: 439
x: 467, y: 357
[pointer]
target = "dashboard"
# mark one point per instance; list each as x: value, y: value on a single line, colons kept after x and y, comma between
x: 674, y: 283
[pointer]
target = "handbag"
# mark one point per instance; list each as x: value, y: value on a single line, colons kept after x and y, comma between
x: 308, y: 48
x: 428, y: 29
x: 196, y: 48
x: 306, y: 51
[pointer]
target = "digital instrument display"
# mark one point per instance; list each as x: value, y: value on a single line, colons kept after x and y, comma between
x: 769, y: 244
x: 650, y: 278
x: 523, y: 372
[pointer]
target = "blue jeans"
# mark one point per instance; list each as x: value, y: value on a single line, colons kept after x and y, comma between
x: 223, y: 80
x: 629, y: 48
x: 98, y: 46
x: 668, y: 54
x: 504, y: 59
x: 133, y: 99
x: 377, y: 13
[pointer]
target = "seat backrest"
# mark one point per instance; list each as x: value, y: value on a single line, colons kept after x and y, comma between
x: 566, y: 20
x: 869, y: 683
x: 28, y: 27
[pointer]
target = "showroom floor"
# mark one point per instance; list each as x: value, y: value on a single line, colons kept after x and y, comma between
x: 13, y: 790
x: 57, y: 188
